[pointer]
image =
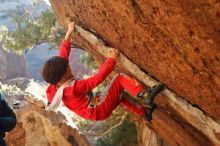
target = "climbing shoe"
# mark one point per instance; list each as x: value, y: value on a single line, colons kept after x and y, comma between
x: 148, y: 113
x: 149, y: 95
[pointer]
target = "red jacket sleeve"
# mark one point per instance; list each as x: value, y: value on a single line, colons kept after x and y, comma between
x: 133, y: 108
x: 65, y: 48
x: 82, y: 87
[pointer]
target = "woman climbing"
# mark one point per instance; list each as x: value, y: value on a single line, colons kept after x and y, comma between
x: 75, y: 93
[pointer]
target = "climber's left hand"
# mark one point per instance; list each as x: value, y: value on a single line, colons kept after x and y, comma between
x: 71, y: 28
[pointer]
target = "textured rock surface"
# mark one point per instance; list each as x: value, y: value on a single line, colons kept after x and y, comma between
x: 37, y: 127
x: 148, y: 137
x: 191, y: 114
x: 177, y: 42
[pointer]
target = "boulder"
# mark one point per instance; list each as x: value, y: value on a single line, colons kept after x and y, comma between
x: 37, y: 127
x: 173, y: 42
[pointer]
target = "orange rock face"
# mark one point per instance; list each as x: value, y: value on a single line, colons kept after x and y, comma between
x: 177, y: 42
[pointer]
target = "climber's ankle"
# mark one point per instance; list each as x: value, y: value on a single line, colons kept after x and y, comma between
x: 149, y: 95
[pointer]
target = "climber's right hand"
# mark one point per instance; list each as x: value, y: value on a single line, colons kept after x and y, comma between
x: 114, y: 53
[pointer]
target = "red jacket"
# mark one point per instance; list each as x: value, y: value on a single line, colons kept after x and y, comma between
x: 74, y: 97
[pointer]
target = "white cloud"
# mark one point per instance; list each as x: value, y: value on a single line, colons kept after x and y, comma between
x: 47, y: 2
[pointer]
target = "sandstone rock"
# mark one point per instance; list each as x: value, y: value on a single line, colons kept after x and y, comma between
x: 166, y: 39
x: 147, y: 137
x: 176, y: 42
x: 37, y: 127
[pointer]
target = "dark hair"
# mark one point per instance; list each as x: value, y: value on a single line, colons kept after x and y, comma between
x: 53, y: 69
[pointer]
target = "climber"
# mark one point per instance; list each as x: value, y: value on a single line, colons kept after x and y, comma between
x: 76, y: 94
x: 7, y: 119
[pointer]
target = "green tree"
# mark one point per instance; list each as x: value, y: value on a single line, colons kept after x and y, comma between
x: 32, y: 31
x: 89, y: 61
x: 126, y: 134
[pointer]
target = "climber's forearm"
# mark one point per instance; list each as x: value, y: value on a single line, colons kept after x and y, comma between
x: 71, y: 27
x: 68, y: 35
x: 66, y: 44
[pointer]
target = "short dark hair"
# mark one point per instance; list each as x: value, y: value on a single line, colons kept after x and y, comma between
x: 53, y: 69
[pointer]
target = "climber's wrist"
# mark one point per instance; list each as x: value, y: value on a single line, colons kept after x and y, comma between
x: 71, y: 28
x: 68, y: 35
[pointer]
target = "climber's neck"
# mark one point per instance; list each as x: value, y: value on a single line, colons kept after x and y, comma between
x: 65, y: 77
